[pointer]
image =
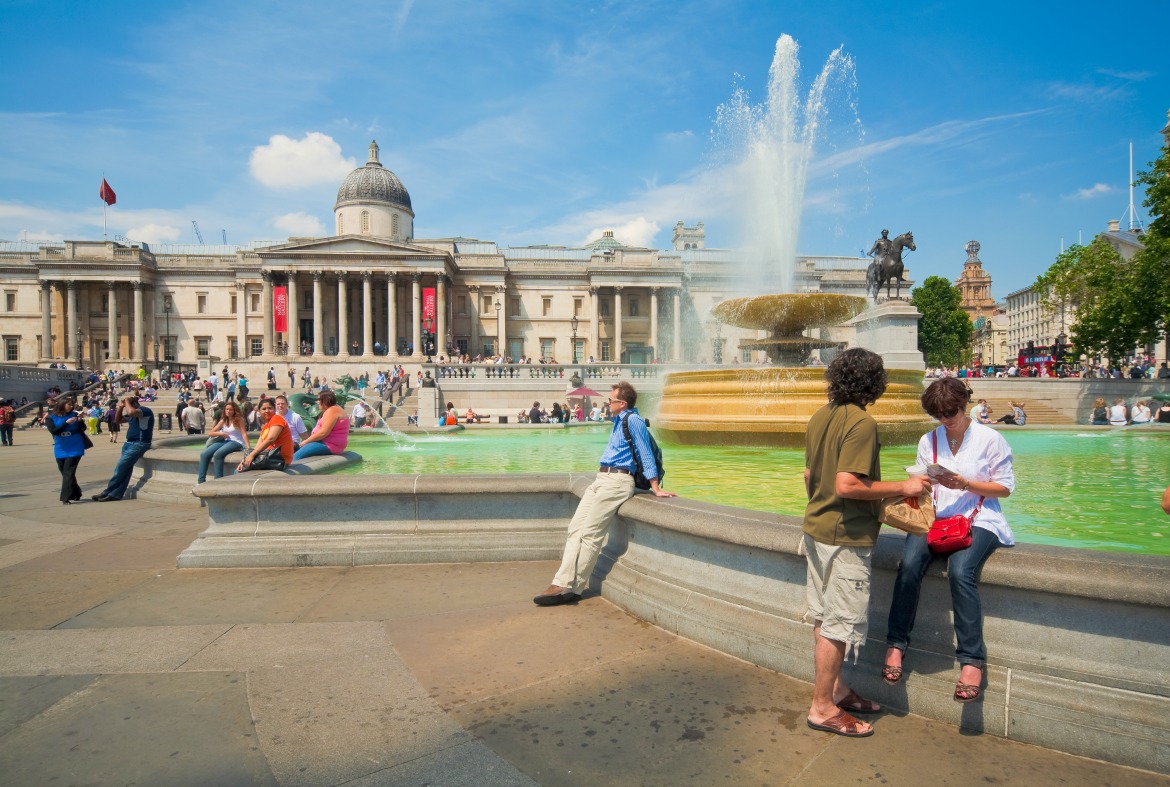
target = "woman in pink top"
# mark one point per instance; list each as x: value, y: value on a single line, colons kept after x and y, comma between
x: 330, y: 435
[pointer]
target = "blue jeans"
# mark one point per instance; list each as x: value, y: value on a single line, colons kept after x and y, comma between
x: 316, y: 448
x: 216, y: 452
x: 131, y: 453
x: 963, y: 569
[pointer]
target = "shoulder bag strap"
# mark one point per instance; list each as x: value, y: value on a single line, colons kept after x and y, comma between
x: 934, y: 446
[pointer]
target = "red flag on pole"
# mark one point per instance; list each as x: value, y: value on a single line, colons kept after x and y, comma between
x: 107, y: 193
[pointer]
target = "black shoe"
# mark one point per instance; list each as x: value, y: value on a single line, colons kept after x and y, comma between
x: 104, y: 498
x: 555, y: 600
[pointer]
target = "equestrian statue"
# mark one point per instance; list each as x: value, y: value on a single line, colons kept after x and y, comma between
x: 887, y: 263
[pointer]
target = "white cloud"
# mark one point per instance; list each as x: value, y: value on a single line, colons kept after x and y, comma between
x: 154, y: 233
x: 291, y: 163
x: 1093, y: 191
x: 299, y: 224
x: 637, y: 231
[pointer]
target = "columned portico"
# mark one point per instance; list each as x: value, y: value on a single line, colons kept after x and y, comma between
x: 441, y: 309
x: 46, y: 319
x: 139, y: 350
x: 502, y: 320
x: 342, y: 314
x: 318, y: 315
x: 71, y: 337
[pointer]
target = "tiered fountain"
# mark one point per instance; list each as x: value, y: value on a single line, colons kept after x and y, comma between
x: 770, y: 405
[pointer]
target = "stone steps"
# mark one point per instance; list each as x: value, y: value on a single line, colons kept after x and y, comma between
x: 1039, y: 413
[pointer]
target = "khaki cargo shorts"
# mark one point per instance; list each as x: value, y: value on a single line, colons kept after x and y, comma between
x: 837, y: 590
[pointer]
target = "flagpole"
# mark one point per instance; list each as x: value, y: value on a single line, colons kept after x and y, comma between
x: 105, y: 231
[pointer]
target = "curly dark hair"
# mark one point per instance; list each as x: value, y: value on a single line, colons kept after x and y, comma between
x: 945, y: 397
x: 856, y: 376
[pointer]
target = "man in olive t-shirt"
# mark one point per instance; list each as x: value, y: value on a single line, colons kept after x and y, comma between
x: 843, y: 481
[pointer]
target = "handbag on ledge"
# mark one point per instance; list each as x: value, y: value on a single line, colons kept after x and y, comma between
x: 954, y: 532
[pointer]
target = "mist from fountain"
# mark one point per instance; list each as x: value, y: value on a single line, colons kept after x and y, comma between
x: 769, y: 147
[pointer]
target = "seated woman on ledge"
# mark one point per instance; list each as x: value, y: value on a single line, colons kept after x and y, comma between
x: 331, y: 434
x: 231, y: 428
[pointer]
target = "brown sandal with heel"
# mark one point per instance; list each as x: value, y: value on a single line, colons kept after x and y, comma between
x: 966, y: 692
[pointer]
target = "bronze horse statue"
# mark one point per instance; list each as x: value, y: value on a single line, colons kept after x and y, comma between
x: 888, y: 267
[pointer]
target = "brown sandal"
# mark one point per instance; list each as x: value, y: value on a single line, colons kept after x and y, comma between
x: 855, y: 703
x: 966, y: 692
x: 891, y: 674
x: 841, y: 724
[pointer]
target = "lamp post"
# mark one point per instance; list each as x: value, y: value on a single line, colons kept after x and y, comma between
x: 79, y: 347
x: 156, y: 366
x: 499, y: 305
x: 167, y: 311
x: 428, y: 342
x: 573, y: 323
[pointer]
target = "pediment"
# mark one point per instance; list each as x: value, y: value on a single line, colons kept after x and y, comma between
x: 347, y: 245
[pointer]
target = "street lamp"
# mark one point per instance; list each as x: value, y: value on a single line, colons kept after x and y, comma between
x: 156, y: 366
x: 167, y: 310
x: 428, y: 342
x: 573, y: 323
x: 79, y: 347
x: 499, y: 305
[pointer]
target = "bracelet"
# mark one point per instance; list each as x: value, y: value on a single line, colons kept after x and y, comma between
x: 966, y: 484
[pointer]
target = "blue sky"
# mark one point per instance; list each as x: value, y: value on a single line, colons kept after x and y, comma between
x: 546, y: 122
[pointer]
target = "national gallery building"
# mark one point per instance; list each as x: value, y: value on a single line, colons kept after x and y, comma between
x: 373, y: 294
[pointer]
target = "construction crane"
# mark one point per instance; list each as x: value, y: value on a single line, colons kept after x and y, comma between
x: 198, y: 234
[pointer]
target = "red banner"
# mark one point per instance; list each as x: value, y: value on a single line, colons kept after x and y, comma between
x: 428, y: 306
x: 107, y: 193
x: 280, y: 308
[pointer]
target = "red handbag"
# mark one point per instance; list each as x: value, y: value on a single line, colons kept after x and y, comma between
x: 954, y: 532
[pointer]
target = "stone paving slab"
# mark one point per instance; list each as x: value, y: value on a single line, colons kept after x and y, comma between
x: 82, y: 651
x: 173, y: 729
x: 35, y: 600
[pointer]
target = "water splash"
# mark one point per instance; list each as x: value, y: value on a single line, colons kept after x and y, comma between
x: 770, y: 146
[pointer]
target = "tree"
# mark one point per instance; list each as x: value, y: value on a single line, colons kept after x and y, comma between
x: 944, y: 330
x: 1100, y: 285
x: 1152, y: 264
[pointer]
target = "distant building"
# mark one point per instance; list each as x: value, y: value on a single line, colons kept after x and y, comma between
x: 975, y: 285
x: 989, y: 342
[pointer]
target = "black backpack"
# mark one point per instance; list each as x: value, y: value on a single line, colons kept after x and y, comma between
x: 640, y: 480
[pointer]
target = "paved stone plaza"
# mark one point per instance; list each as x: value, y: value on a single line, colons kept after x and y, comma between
x: 115, y: 667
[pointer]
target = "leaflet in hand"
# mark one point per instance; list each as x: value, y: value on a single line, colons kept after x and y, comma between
x: 936, y: 471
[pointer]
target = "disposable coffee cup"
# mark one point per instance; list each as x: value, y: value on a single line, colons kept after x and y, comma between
x: 916, y: 470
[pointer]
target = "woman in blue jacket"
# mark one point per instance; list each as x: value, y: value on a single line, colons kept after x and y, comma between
x: 68, y: 432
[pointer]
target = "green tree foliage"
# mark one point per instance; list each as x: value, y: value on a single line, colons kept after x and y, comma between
x: 1152, y: 265
x: 944, y: 331
x: 1096, y: 282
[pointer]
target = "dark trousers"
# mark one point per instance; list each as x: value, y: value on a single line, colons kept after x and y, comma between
x: 963, y: 569
x: 69, y: 488
x: 6, y: 433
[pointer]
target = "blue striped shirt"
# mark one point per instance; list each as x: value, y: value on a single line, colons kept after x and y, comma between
x: 617, y: 452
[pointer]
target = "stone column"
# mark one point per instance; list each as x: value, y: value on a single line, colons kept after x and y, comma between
x: 391, y: 314
x: 654, y: 323
x: 342, y: 314
x: 266, y: 312
x: 46, y: 320
x: 241, y: 321
x: 71, y: 339
x: 502, y: 320
x: 139, y: 324
x: 115, y: 350
x: 617, y: 324
x: 294, y: 322
x: 677, y: 326
x: 441, y: 315
x: 594, y: 324
x: 318, y: 316
x: 416, y: 312
x: 367, y: 315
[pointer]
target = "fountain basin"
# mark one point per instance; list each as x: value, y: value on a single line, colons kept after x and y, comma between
x: 771, y: 406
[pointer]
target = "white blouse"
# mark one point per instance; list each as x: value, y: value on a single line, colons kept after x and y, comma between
x: 984, y: 455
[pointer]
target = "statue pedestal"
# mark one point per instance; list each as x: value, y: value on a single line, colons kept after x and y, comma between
x: 890, y: 330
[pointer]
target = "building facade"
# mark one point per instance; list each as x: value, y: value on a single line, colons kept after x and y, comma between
x: 974, y: 285
x: 374, y: 290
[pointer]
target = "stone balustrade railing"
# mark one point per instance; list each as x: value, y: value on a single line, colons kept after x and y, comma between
x: 519, y: 371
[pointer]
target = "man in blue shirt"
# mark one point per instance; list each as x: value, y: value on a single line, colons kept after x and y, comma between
x: 139, y: 434
x: 600, y: 503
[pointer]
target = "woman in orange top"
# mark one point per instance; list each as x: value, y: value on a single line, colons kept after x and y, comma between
x: 274, y: 431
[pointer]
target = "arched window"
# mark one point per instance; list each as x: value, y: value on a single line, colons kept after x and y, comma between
x: 394, y: 226
x: 365, y: 222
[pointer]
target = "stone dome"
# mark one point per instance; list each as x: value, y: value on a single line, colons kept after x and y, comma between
x: 373, y: 184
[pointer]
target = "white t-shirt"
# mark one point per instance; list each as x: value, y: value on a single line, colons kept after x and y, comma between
x: 233, y: 433
x: 296, y: 426
x: 983, y: 456
x: 1117, y: 415
x: 1141, y: 414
